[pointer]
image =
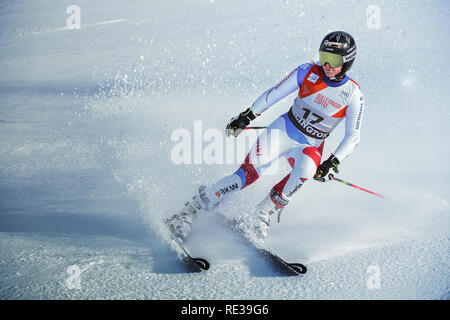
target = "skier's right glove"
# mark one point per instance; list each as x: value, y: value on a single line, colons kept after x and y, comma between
x: 239, y: 123
x: 322, y: 171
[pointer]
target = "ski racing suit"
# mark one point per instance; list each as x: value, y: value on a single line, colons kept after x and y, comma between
x: 319, y: 106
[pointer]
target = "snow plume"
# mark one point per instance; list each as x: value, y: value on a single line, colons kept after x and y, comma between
x: 129, y: 131
x: 130, y: 122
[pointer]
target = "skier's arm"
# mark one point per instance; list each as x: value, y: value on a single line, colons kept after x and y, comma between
x: 284, y: 88
x: 354, y: 115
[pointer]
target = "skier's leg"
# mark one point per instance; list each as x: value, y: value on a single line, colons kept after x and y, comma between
x: 304, y: 158
x: 304, y: 161
x: 268, y: 147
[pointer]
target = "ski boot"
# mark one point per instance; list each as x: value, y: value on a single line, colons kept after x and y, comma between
x: 259, y: 221
x: 180, y: 224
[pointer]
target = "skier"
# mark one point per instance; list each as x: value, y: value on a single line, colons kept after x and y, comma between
x: 326, y: 96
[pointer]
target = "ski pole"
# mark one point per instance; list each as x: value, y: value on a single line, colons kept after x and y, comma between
x: 255, y: 128
x: 332, y: 177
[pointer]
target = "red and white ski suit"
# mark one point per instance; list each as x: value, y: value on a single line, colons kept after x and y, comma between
x: 298, y: 135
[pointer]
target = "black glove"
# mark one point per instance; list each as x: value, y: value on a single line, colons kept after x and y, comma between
x: 322, y: 171
x: 239, y: 123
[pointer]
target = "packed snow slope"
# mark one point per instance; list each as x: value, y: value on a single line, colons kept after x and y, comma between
x: 87, y: 170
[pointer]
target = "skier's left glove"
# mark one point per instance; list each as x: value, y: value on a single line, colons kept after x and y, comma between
x: 322, y: 171
x: 239, y: 123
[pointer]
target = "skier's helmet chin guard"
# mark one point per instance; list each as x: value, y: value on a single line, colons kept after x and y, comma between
x: 338, y: 48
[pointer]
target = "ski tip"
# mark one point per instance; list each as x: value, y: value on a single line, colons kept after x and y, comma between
x: 298, y: 267
x: 202, y: 263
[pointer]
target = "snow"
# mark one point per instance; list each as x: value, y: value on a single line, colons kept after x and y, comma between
x: 86, y: 119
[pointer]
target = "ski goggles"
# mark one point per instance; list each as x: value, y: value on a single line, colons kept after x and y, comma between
x: 333, y: 59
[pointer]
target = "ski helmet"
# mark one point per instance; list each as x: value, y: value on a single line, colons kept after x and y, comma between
x: 338, y: 48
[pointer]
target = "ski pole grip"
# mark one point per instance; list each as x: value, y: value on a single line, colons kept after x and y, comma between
x: 331, y: 176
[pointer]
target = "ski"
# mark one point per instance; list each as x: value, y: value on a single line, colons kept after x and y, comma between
x: 191, y: 263
x: 289, y: 269
x: 292, y: 269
